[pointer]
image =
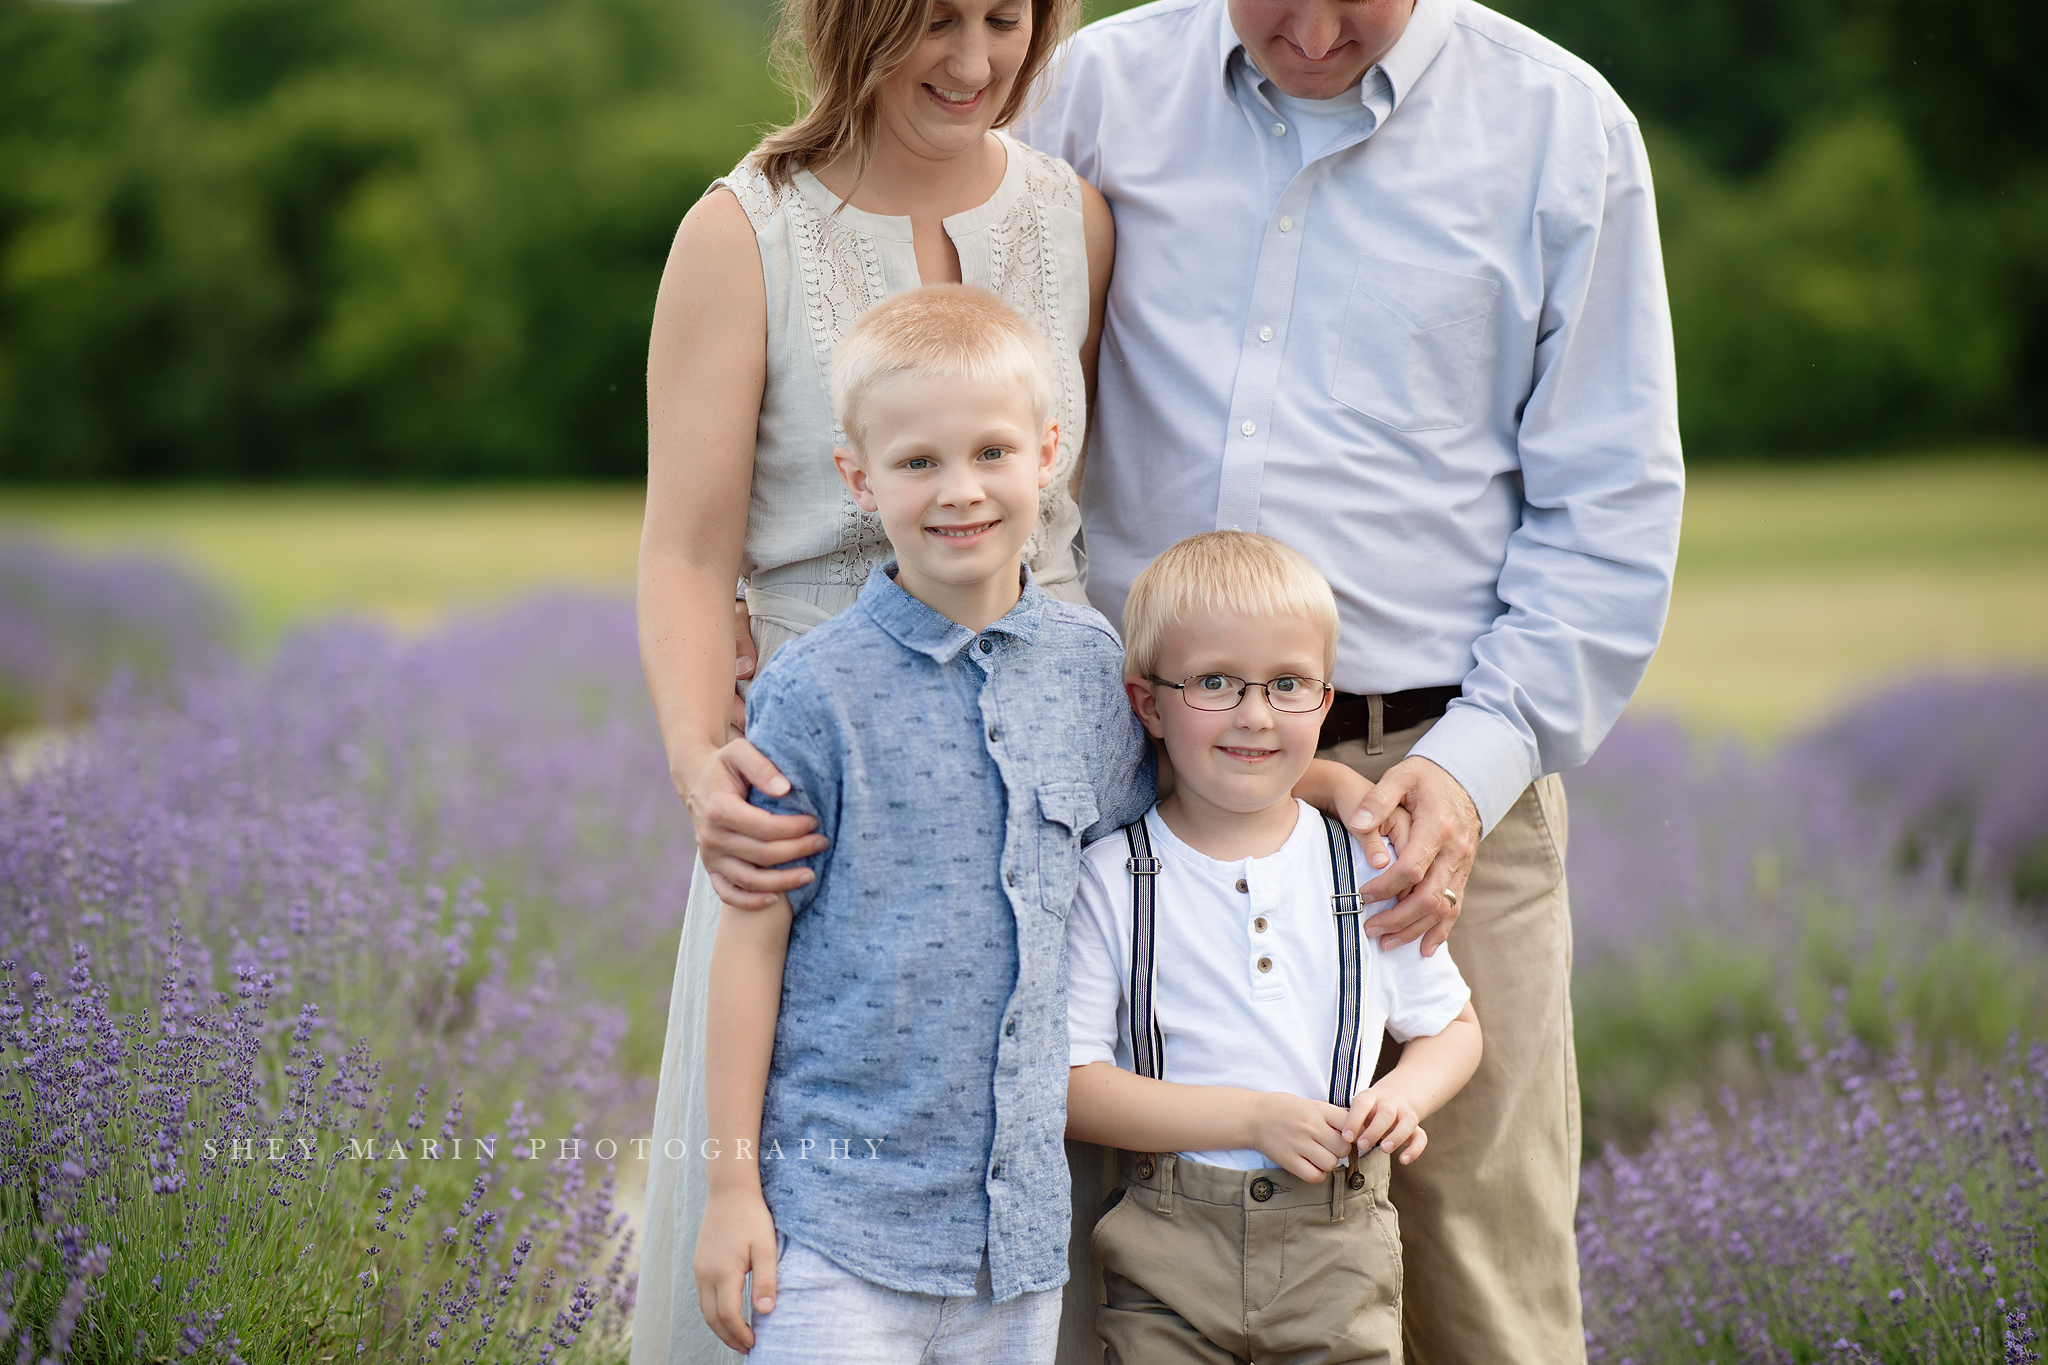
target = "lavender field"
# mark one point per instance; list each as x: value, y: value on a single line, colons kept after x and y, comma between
x: 334, y: 989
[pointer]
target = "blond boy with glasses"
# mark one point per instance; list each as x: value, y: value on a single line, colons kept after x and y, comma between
x: 1223, y: 1007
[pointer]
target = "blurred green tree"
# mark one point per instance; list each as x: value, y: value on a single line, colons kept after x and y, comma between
x: 317, y: 238
x: 380, y: 239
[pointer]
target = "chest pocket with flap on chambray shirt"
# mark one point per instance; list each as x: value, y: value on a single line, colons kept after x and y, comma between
x: 1069, y: 810
x: 1413, y: 340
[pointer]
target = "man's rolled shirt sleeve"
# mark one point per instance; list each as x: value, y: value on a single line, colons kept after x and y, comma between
x: 1587, y: 578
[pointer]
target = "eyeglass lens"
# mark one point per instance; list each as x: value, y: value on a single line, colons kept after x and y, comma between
x: 1221, y: 692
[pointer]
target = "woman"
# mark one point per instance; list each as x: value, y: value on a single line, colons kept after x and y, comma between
x: 894, y: 177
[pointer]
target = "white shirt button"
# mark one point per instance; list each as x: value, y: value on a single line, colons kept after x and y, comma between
x: 1286, y: 224
x: 1279, y: 130
x: 1249, y: 427
x: 1265, y: 334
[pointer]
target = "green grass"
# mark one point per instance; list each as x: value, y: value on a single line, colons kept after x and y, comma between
x: 1798, y: 588
x: 404, y: 555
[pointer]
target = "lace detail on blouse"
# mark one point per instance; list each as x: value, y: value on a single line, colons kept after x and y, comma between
x: 833, y: 273
x: 842, y: 278
x: 1024, y: 273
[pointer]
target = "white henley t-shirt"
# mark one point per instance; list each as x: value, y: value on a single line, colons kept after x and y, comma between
x: 1246, y: 980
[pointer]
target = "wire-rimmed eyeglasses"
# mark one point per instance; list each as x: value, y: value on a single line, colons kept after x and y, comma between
x: 1223, y: 692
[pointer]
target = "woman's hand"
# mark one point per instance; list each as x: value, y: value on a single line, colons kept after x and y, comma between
x: 742, y: 844
x: 737, y: 1238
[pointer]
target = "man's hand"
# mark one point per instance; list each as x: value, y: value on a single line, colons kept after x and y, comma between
x: 1435, y: 861
x: 1382, y: 1117
x: 738, y: 1236
x: 741, y: 843
x: 1303, y: 1137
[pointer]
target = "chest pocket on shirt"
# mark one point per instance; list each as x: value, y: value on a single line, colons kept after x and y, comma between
x: 1069, y: 811
x: 1413, y: 340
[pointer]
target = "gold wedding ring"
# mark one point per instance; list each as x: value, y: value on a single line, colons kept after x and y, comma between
x: 1452, y: 897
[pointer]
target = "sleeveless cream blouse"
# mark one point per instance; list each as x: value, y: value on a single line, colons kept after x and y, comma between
x: 809, y: 547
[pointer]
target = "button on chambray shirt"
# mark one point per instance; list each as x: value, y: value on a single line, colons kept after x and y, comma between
x: 924, y: 1001
x: 1436, y: 359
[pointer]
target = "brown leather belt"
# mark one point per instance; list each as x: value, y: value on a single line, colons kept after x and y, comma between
x: 1351, y: 715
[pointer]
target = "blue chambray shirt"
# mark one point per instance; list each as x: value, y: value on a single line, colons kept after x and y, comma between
x: 924, y: 1000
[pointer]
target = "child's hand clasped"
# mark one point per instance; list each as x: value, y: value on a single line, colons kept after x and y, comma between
x: 1302, y: 1137
x: 1383, y: 1118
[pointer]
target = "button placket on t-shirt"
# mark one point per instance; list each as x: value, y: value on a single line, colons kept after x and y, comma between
x: 1264, y: 961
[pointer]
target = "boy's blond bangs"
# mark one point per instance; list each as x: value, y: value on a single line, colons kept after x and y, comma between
x: 1223, y: 571
x: 940, y: 331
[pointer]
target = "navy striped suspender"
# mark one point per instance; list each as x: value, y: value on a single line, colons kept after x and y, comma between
x: 1148, y: 1045
x: 1350, y: 965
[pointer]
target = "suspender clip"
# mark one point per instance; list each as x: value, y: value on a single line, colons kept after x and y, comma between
x: 1142, y: 867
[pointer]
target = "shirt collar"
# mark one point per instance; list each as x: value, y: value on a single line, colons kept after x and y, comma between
x: 1429, y: 28
x: 917, y: 627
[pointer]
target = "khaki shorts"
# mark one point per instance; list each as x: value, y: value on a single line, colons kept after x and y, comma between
x: 1205, y: 1264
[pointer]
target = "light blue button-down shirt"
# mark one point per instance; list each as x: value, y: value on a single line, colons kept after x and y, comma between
x: 1436, y: 359
x: 916, y: 1105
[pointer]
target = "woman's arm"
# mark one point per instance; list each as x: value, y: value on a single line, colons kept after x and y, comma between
x: 738, y: 1234
x: 707, y: 363
x: 1099, y: 228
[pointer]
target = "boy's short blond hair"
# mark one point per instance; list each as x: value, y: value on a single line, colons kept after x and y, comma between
x: 1223, y: 571
x: 941, y: 331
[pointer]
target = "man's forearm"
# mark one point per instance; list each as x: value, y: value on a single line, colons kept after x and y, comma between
x: 744, y: 999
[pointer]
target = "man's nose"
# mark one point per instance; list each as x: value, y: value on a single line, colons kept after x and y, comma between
x: 1317, y: 28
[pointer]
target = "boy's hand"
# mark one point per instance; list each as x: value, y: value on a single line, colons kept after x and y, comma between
x: 1305, y: 1138
x: 1382, y: 1117
x: 738, y: 1236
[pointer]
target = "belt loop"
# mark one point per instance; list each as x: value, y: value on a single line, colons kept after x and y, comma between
x: 1375, y: 723
x: 1166, y: 1165
x: 1340, y: 1179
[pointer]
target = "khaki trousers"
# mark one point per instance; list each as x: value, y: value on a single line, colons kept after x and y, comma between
x: 1487, y: 1214
x: 1219, y: 1267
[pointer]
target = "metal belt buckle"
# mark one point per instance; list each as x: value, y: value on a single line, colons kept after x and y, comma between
x: 1142, y: 867
x: 1337, y: 909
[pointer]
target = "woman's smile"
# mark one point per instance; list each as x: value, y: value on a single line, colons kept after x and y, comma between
x: 955, y: 101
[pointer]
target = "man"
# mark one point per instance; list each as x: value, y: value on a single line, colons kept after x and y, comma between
x: 1388, y: 288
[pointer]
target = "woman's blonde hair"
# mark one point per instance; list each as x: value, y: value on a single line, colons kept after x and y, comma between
x: 941, y: 331
x: 835, y: 56
x: 1223, y: 571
